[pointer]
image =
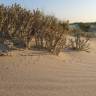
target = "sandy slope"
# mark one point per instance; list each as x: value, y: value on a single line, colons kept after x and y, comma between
x: 71, y: 74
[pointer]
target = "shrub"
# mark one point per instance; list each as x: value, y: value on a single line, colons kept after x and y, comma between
x: 23, y: 25
x: 78, y: 42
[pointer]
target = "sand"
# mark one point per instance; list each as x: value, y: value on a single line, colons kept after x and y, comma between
x: 37, y: 73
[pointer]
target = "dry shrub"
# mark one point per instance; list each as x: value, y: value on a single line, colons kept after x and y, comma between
x: 22, y: 25
x: 79, y: 43
x: 55, y: 37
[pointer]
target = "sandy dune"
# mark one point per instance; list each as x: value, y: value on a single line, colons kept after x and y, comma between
x: 41, y: 74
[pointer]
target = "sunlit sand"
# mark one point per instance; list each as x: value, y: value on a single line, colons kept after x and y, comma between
x: 42, y: 74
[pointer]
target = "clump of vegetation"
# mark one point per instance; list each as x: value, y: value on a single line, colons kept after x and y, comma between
x: 84, y: 27
x: 78, y: 42
x: 55, y: 37
x: 20, y: 25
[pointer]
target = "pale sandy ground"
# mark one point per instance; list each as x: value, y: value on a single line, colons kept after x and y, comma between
x: 71, y: 74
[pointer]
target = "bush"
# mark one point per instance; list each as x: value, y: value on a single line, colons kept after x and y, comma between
x: 23, y: 25
x: 79, y: 43
x: 55, y: 37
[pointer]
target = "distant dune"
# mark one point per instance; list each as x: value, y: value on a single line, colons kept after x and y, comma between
x: 37, y: 73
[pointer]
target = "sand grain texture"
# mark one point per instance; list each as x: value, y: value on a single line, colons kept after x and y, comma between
x: 45, y: 75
